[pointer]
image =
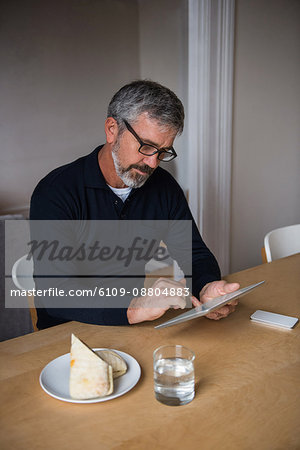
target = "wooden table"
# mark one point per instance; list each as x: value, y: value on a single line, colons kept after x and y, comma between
x: 247, y: 381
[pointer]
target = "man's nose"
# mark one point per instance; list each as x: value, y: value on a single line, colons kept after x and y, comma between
x: 151, y: 161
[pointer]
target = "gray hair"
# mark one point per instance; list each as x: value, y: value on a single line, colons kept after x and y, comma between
x: 143, y: 96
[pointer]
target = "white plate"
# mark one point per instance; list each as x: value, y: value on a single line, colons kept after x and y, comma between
x: 54, y: 378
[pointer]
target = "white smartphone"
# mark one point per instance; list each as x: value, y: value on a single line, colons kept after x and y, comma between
x: 277, y: 320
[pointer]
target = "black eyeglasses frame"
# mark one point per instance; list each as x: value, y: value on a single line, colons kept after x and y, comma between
x: 169, y: 151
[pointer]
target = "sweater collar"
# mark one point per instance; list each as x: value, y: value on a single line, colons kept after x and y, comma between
x: 93, y: 177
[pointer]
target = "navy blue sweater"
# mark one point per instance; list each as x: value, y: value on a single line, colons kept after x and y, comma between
x: 78, y: 191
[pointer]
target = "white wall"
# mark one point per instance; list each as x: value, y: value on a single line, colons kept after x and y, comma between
x: 266, y: 157
x: 61, y: 61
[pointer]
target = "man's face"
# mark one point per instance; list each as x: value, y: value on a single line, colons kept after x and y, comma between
x: 131, y: 166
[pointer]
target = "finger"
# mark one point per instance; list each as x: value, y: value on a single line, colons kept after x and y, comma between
x: 217, y: 288
x: 195, y: 301
x: 212, y: 316
x: 164, y: 286
x: 233, y: 302
x: 215, y: 316
x: 219, y: 317
x: 176, y: 301
x: 167, y: 282
x: 222, y: 287
x: 223, y: 311
x: 226, y: 310
x: 182, y: 281
x: 230, y: 287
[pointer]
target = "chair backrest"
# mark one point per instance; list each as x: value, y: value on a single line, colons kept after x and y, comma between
x: 282, y: 242
x: 22, y: 275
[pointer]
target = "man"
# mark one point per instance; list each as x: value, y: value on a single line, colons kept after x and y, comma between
x: 122, y: 180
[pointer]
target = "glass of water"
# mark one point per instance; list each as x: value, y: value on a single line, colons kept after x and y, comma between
x: 174, y: 378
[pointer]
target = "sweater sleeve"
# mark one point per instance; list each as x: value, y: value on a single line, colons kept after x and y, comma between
x: 204, y: 265
x: 51, y: 202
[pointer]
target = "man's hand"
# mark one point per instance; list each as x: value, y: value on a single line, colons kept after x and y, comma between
x: 151, y: 307
x: 213, y: 290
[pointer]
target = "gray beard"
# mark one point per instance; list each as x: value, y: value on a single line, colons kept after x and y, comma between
x: 131, y: 179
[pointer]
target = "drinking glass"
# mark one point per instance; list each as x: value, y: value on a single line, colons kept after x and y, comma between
x: 174, y: 379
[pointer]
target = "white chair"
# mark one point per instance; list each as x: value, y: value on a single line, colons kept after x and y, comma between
x: 282, y: 242
x: 22, y: 273
x: 22, y: 276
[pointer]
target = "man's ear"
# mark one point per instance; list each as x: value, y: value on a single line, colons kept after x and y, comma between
x: 111, y: 130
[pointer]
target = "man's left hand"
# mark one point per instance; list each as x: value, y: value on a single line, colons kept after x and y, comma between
x: 216, y: 289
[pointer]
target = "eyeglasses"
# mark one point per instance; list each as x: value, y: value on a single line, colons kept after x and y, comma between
x: 165, y: 154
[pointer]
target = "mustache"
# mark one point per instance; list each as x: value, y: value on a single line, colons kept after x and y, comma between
x: 144, y: 168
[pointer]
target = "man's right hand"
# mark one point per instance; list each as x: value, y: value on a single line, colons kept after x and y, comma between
x: 151, y: 307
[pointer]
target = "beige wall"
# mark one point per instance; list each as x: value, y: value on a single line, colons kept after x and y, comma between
x: 61, y: 60
x: 266, y: 157
x: 163, y: 54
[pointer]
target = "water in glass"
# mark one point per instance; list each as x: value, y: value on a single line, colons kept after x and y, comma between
x: 174, y: 381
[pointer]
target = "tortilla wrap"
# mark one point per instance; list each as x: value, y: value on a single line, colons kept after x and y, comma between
x: 90, y: 376
x: 112, y: 358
